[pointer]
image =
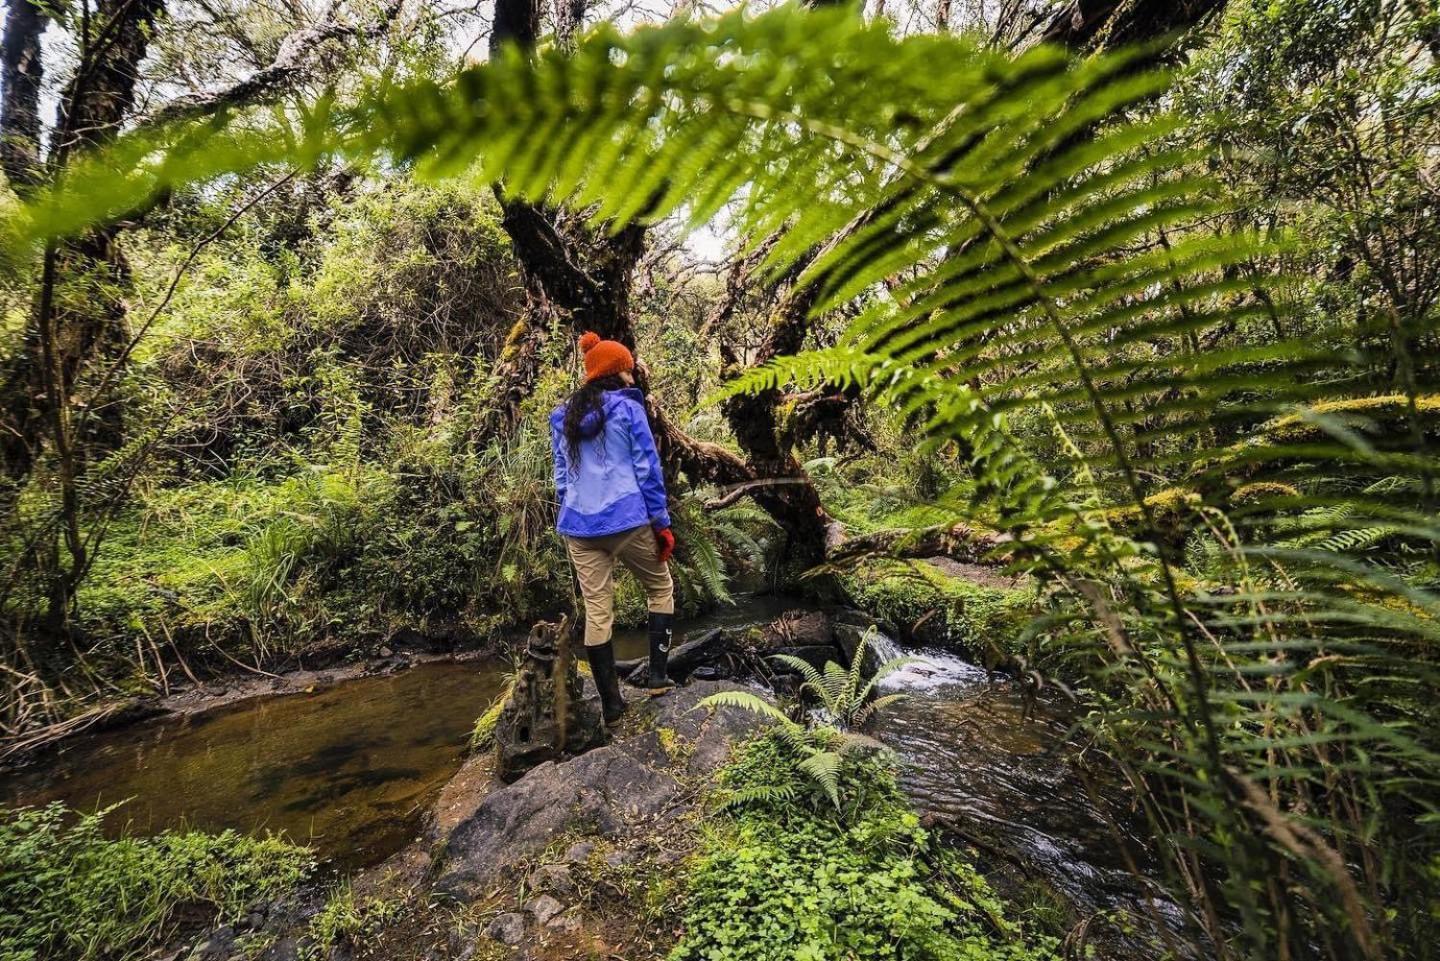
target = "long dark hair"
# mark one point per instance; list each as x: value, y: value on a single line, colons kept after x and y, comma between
x: 589, y: 398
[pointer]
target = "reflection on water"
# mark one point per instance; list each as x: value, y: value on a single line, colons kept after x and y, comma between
x: 349, y: 769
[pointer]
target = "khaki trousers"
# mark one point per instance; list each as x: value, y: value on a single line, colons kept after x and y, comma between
x: 594, y: 559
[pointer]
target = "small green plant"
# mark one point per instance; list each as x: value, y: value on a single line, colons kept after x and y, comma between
x: 845, y: 700
x: 845, y: 694
x: 67, y: 893
x: 345, y: 919
x: 482, y: 736
x: 784, y: 876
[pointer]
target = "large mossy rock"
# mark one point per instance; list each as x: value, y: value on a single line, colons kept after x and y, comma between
x: 549, y: 715
x: 641, y: 782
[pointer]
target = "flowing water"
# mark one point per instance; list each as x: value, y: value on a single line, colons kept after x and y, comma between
x: 351, y: 769
x: 1000, y: 771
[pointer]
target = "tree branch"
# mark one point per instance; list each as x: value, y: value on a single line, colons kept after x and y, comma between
x: 295, y: 59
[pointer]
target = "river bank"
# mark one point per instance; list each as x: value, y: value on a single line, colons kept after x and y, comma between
x: 989, y: 767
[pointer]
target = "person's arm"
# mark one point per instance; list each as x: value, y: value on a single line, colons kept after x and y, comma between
x: 647, y: 467
x: 562, y: 465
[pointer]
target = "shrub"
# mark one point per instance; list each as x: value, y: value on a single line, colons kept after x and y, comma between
x: 69, y: 894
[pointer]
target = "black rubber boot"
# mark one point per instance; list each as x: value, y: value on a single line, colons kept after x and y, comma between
x: 602, y: 668
x: 660, y: 632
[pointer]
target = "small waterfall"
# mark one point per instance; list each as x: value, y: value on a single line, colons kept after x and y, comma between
x: 883, y: 648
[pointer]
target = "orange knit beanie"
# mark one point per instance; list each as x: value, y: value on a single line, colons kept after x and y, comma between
x: 604, y: 357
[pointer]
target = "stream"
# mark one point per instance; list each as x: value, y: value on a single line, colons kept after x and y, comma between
x: 351, y: 769
x: 991, y: 770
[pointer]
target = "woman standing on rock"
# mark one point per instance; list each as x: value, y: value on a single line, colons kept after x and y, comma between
x: 613, y: 508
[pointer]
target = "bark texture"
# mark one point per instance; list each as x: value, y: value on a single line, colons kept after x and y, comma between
x: 578, y: 279
x: 21, y: 73
x: 575, y: 277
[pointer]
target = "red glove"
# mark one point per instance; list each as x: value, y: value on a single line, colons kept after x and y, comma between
x: 664, y: 544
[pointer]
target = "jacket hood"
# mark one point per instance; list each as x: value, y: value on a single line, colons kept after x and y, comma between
x: 593, y: 423
x: 632, y: 393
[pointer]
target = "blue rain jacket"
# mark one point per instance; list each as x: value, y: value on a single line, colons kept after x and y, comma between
x: 617, y: 484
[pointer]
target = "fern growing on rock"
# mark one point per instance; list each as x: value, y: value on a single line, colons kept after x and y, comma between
x: 846, y: 702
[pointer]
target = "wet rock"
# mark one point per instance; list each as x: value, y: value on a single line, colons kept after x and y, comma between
x: 704, y: 647
x: 708, y: 735
x: 862, y: 620
x: 881, y: 648
x: 701, y: 649
x: 630, y: 787
x: 816, y: 655
x: 219, y: 946
x: 508, y: 928
x: 602, y: 791
x: 548, y: 715
x: 543, y: 908
x: 286, y: 949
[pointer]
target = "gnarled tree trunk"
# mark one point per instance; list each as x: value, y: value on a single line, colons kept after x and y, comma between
x: 1096, y: 24
x: 571, y: 272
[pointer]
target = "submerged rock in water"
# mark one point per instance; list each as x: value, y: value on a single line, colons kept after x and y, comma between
x: 548, y: 715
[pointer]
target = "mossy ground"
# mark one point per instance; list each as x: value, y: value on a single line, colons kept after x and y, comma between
x: 929, y: 605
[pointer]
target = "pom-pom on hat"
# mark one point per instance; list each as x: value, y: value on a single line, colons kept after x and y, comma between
x: 604, y: 357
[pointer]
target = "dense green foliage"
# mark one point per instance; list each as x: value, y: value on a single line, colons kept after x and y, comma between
x: 784, y: 874
x: 326, y: 476
x: 845, y: 698
x: 69, y: 894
